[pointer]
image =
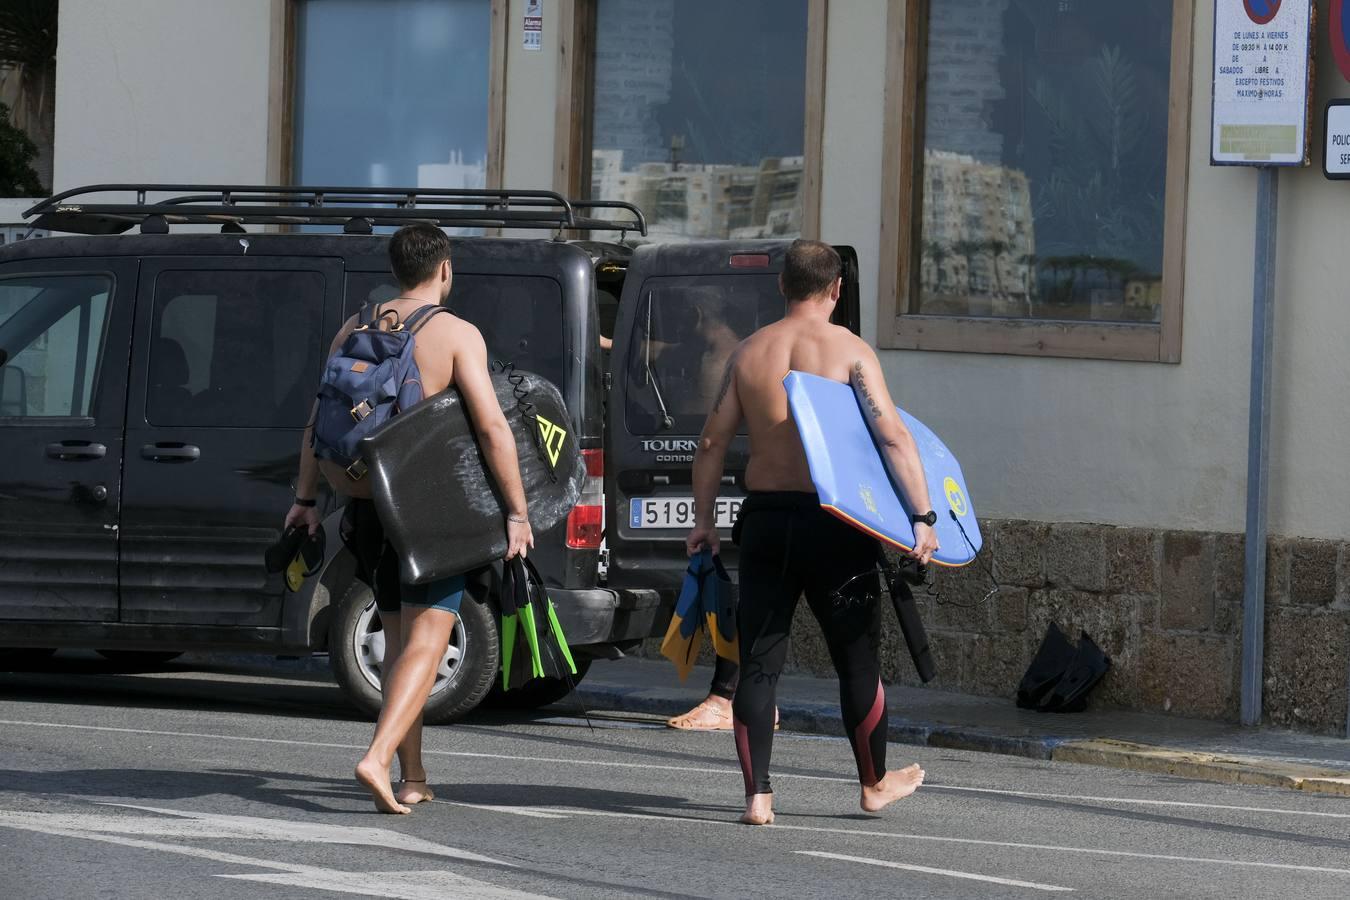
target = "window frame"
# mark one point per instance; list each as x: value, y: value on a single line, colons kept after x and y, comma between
x: 574, y: 108
x: 899, y: 267
x: 285, y: 81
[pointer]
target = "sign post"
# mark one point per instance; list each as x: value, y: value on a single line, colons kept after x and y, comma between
x: 1262, y: 74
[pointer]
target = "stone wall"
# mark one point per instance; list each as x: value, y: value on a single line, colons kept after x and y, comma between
x: 1165, y: 605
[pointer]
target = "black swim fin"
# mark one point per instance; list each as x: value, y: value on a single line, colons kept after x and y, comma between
x: 911, y: 626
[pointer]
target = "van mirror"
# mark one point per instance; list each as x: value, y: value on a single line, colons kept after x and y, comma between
x: 13, y: 391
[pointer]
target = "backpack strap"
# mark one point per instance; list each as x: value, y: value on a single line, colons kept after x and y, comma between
x: 419, y: 318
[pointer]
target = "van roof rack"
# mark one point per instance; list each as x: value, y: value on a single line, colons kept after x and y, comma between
x: 357, y: 209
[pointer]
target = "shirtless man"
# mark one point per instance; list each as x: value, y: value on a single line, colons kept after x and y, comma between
x: 417, y: 620
x: 789, y: 545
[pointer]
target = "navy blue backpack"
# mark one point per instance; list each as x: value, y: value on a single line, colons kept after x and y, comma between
x: 369, y: 379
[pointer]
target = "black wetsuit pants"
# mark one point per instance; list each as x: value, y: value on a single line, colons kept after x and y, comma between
x: 790, y: 546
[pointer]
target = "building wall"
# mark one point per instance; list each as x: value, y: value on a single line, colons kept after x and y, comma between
x: 164, y: 92
x: 1064, y: 440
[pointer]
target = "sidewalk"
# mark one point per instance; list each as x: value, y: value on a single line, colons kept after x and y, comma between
x: 1146, y: 742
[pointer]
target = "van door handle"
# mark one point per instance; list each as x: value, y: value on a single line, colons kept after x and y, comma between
x: 73, y: 450
x: 170, y: 452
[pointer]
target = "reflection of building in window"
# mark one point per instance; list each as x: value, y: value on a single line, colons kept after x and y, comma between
x: 978, y: 238
x: 696, y: 124
x: 704, y: 201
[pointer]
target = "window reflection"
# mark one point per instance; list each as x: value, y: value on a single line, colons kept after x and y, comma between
x: 392, y: 93
x: 1044, y: 159
x: 699, y: 114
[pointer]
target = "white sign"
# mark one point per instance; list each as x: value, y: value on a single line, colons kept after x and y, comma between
x: 1336, y: 161
x: 1262, y: 57
x: 534, y: 25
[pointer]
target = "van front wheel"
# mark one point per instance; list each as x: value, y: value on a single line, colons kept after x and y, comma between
x: 463, y: 678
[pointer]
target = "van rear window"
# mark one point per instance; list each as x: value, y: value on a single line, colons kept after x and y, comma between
x: 520, y: 316
x: 685, y: 331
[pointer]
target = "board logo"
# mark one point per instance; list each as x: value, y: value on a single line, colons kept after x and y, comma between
x: 955, y: 498
x: 868, y: 500
x: 553, y: 437
x: 1261, y: 11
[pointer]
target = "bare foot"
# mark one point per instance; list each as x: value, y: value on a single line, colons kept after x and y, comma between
x: 415, y: 791
x: 713, y: 714
x: 895, y: 786
x: 758, y: 810
x: 375, y: 778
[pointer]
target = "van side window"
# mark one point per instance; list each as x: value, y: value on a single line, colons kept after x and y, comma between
x: 235, y: 349
x: 685, y: 331
x: 51, y: 344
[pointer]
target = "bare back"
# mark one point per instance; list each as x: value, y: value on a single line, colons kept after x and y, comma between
x: 804, y: 344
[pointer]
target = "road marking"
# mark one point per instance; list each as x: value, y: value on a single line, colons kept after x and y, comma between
x: 429, y: 885
x: 932, y: 838
x: 510, y: 810
x: 1140, y: 802
x: 951, y: 873
x: 399, y: 885
x: 730, y: 772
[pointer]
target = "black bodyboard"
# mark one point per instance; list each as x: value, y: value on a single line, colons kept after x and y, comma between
x: 437, y: 500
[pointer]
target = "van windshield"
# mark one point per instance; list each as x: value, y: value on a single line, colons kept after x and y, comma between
x: 520, y: 316
x: 685, y: 331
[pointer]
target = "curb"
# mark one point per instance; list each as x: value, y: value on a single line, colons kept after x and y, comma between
x: 817, y: 718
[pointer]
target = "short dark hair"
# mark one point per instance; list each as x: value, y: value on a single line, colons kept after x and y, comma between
x: 809, y: 268
x: 416, y: 252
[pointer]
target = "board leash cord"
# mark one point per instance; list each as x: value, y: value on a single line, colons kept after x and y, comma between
x: 891, y: 573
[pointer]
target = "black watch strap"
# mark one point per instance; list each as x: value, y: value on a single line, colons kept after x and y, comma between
x: 306, y: 503
x: 929, y: 518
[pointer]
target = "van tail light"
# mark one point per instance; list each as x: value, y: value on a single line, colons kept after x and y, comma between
x: 586, y: 521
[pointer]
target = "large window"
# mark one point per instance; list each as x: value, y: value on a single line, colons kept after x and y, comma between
x: 392, y: 93
x: 51, y: 341
x: 699, y: 114
x: 238, y: 348
x: 1045, y: 179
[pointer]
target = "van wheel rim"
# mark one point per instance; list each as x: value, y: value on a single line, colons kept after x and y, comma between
x: 368, y: 642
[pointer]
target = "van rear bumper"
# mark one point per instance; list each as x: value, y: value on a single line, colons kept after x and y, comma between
x: 603, y: 616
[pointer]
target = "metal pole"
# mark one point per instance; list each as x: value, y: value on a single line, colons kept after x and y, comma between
x: 1258, y: 444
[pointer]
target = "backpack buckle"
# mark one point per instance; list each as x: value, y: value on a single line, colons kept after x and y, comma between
x: 361, y: 410
x: 357, y: 470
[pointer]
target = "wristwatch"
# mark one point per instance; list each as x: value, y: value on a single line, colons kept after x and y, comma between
x: 929, y: 518
x: 308, y: 503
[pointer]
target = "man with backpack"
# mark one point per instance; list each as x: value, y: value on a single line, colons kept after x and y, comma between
x: 385, y: 359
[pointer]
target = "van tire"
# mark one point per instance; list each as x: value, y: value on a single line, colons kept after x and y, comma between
x: 537, y: 693
x: 472, y: 676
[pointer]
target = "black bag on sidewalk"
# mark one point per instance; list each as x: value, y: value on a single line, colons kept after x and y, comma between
x: 1061, y: 675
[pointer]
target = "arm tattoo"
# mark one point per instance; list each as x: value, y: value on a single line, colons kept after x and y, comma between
x: 861, y: 384
x: 727, y: 374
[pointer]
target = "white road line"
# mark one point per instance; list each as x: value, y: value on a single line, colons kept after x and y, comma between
x: 696, y: 770
x: 430, y: 885
x: 951, y: 873
x: 1014, y: 845
x: 299, y: 875
x: 510, y: 810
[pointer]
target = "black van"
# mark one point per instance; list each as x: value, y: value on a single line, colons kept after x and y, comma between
x: 153, y: 388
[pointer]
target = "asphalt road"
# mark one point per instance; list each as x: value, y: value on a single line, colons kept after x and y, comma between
x: 235, y: 783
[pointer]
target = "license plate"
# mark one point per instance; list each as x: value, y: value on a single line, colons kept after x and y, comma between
x: 677, y: 512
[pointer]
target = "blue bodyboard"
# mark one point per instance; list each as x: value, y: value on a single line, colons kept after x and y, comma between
x: 852, y: 479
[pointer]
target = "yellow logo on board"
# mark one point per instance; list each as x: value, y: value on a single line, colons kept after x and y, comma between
x: 553, y: 437
x: 955, y: 498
